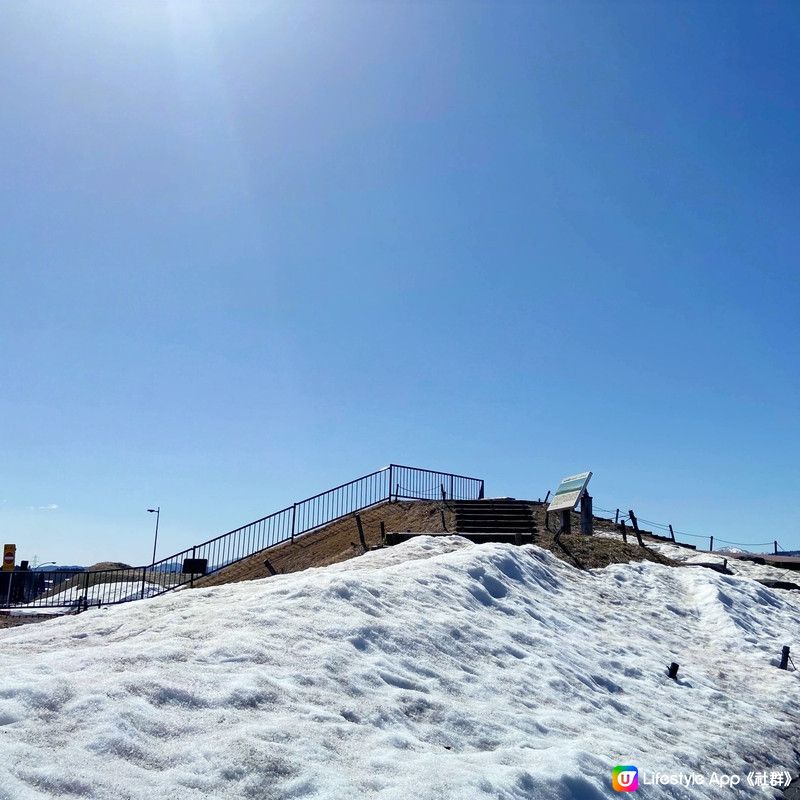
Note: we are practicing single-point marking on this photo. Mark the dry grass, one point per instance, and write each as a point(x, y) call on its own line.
point(338, 541)
point(592, 552)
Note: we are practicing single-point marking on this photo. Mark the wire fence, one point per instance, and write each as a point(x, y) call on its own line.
point(669, 531)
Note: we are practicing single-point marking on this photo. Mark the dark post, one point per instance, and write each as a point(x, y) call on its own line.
point(616, 519)
point(361, 532)
point(294, 517)
point(451, 487)
point(566, 521)
point(635, 524)
point(671, 533)
point(776, 546)
point(480, 494)
point(784, 658)
point(191, 574)
point(624, 532)
point(586, 514)
point(144, 576)
point(547, 497)
point(673, 670)
point(396, 492)
point(444, 493)
point(710, 543)
point(85, 590)
point(391, 467)
point(383, 533)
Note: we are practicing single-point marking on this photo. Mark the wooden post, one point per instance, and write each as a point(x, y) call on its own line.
point(361, 532)
point(547, 497)
point(710, 544)
point(776, 546)
point(586, 514)
point(616, 519)
point(671, 533)
point(624, 532)
point(785, 658)
point(444, 493)
point(635, 524)
point(269, 567)
point(383, 533)
point(566, 521)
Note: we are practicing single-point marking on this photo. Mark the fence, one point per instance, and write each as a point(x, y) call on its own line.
point(34, 589)
point(666, 530)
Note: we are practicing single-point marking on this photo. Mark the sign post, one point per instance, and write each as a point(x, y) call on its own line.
point(9, 558)
point(569, 492)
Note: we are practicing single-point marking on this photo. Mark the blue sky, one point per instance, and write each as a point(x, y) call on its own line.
point(252, 250)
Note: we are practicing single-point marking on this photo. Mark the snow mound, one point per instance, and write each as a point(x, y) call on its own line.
point(434, 669)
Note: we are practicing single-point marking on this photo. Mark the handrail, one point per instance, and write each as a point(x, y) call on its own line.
point(133, 583)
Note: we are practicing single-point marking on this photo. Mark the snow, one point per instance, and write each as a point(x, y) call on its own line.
point(739, 567)
point(434, 669)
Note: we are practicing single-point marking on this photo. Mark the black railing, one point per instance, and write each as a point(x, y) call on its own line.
point(105, 587)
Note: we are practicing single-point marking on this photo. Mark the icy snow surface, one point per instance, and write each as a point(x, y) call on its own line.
point(435, 669)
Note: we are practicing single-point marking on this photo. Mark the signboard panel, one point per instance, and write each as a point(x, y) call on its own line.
point(569, 492)
point(9, 557)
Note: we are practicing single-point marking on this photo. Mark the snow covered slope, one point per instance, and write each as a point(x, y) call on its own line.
point(435, 669)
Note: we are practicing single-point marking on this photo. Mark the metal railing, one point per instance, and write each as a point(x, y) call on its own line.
point(80, 590)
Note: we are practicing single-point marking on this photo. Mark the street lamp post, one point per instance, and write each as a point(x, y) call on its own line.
point(157, 512)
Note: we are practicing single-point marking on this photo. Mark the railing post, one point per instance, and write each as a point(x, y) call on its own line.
point(391, 468)
point(710, 544)
point(451, 487)
point(191, 574)
point(86, 591)
point(776, 546)
point(671, 533)
point(144, 576)
point(294, 518)
point(480, 494)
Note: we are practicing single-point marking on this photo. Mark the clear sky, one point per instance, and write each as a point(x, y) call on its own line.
point(251, 250)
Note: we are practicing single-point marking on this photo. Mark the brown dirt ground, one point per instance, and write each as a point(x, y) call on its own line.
point(12, 622)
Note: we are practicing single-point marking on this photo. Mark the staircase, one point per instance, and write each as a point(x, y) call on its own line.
point(495, 520)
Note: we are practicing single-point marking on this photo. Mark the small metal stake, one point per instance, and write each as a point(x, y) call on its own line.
point(785, 657)
point(672, 672)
